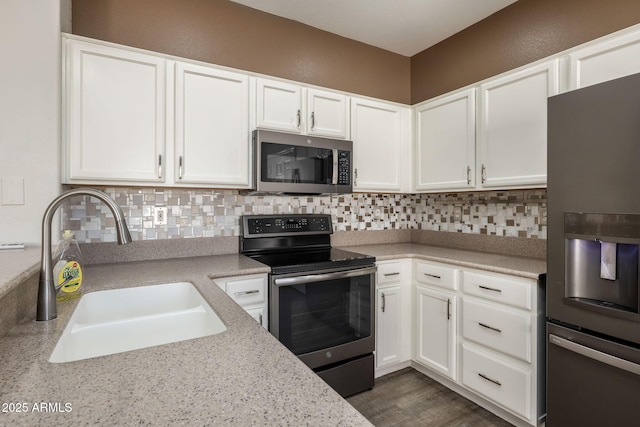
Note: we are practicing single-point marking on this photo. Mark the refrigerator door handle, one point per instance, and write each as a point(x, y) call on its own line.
point(595, 354)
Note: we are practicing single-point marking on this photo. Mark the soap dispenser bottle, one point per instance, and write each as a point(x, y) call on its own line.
point(67, 270)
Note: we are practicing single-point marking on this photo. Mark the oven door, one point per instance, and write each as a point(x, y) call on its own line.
point(324, 317)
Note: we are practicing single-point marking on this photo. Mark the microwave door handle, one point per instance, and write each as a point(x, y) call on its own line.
point(334, 178)
point(298, 280)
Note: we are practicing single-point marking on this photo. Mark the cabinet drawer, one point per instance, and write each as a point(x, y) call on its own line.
point(389, 272)
point(497, 328)
point(436, 274)
point(498, 380)
point(498, 288)
point(247, 291)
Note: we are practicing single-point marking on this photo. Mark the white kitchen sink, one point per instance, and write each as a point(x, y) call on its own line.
point(119, 320)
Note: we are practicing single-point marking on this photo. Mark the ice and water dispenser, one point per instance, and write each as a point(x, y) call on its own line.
point(601, 262)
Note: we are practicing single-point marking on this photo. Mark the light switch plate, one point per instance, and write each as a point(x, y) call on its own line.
point(543, 216)
point(160, 217)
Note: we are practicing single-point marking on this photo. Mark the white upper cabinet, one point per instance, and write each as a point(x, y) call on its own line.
point(135, 118)
point(114, 107)
point(291, 108)
point(212, 136)
point(445, 142)
point(328, 114)
point(606, 60)
point(278, 105)
point(512, 128)
point(382, 146)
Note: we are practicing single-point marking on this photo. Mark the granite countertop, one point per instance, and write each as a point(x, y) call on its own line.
point(531, 268)
point(242, 376)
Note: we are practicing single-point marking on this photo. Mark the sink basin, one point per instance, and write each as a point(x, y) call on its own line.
point(119, 320)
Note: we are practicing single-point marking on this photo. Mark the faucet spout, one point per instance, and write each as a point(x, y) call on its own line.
point(47, 308)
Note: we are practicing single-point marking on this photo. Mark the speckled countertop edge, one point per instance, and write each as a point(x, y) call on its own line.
point(530, 268)
point(242, 376)
point(16, 265)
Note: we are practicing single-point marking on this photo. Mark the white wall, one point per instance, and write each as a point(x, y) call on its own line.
point(29, 115)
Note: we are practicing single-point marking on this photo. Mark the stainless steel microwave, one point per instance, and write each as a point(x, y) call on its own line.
point(302, 164)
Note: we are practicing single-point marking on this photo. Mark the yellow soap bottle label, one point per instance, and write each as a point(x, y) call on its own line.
point(71, 276)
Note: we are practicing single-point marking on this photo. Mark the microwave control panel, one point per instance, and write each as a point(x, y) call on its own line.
point(344, 167)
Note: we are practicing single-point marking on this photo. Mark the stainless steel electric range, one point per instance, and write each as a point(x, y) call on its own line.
point(321, 299)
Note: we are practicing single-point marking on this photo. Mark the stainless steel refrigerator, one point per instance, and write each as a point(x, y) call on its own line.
point(593, 307)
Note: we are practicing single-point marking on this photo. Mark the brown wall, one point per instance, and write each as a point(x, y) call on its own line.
point(521, 33)
point(225, 33)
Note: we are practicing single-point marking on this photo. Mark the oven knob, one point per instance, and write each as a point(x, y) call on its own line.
point(328, 354)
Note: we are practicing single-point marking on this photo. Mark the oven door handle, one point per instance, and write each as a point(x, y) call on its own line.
point(290, 281)
point(595, 354)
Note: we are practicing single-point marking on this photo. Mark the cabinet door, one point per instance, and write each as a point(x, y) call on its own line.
point(607, 60)
point(436, 330)
point(446, 141)
point(279, 106)
point(114, 128)
point(513, 128)
point(381, 146)
point(388, 326)
point(260, 314)
point(212, 127)
point(328, 114)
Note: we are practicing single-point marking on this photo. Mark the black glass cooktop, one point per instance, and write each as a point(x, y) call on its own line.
point(316, 259)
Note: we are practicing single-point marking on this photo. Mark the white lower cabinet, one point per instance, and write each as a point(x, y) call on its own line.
point(436, 330)
point(502, 354)
point(477, 332)
point(249, 292)
point(393, 321)
point(498, 379)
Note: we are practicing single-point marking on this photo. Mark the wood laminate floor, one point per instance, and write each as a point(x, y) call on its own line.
point(409, 398)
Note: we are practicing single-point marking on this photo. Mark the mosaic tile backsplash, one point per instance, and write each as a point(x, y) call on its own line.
point(213, 213)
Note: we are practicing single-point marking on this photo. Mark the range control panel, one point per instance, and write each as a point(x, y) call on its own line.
point(265, 225)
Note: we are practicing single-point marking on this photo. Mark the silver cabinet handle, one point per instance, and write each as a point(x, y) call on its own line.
point(468, 175)
point(299, 119)
point(391, 274)
point(313, 120)
point(486, 288)
point(489, 327)
point(260, 317)
point(180, 168)
point(383, 301)
point(448, 308)
point(298, 280)
point(160, 166)
point(435, 276)
point(595, 354)
point(496, 382)
point(355, 177)
point(242, 293)
point(483, 174)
